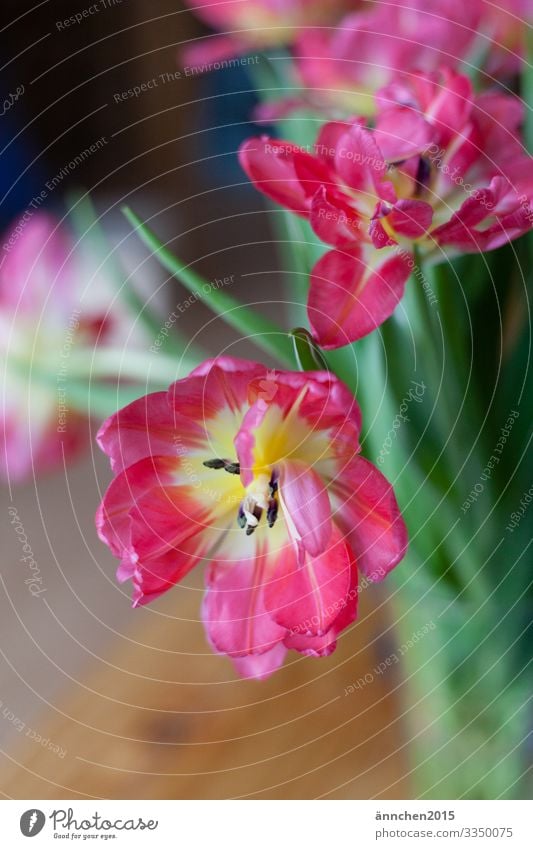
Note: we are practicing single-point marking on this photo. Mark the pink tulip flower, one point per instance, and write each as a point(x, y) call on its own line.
point(257, 473)
point(441, 170)
point(253, 25)
point(341, 67)
point(40, 322)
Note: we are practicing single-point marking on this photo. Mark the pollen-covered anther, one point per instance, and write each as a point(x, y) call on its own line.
point(228, 465)
point(272, 512)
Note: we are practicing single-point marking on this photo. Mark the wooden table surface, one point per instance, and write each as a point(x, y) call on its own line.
point(159, 716)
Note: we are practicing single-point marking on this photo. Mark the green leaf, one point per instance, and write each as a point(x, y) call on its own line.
point(263, 332)
point(308, 354)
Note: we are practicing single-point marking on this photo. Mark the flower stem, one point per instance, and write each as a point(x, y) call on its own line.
point(264, 333)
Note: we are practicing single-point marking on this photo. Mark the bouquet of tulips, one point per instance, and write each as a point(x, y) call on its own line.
point(383, 431)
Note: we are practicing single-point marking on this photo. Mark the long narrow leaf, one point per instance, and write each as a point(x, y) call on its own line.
point(263, 332)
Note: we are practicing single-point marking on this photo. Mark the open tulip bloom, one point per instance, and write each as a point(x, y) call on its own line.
point(41, 323)
point(258, 473)
point(247, 25)
point(342, 67)
point(441, 171)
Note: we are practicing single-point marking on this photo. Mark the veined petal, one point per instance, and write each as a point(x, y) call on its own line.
point(306, 597)
point(269, 163)
point(402, 132)
point(367, 511)
point(261, 666)
point(214, 398)
point(165, 517)
point(323, 645)
point(306, 506)
point(310, 416)
point(234, 612)
point(359, 161)
point(335, 221)
point(353, 292)
point(155, 575)
point(148, 426)
point(113, 521)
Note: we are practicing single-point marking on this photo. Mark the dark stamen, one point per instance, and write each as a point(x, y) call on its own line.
point(227, 465)
point(215, 464)
point(272, 512)
point(241, 518)
point(232, 468)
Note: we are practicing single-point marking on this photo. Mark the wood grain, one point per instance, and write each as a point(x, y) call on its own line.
point(159, 716)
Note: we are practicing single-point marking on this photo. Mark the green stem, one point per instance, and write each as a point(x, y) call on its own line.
point(264, 333)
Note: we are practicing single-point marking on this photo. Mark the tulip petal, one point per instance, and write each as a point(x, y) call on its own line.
point(366, 509)
point(402, 132)
point(325, 644)
point(306, 506)
point(261, 666)
point(359, 161)
point(113, 521)
point(148, 426)
point(349, 297)
point(269, 164)
point(157, 575)
point(306, 597)
point(234, 612)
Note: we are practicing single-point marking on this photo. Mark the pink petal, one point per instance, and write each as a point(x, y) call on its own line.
point(269, 164)
point(409, 218)
point(366, 509)
point(335, 221)
point(166, 516)
point(113, 521)
point(306, 597)
point(234, 612)
point(349, 298)
point(245, 440)
point(500, 212)
point(148, 426)
point(402, 132)
point(306, 506)
point(328, 139)
point(37, 265)
point(214, 386)
point(450, 109)
point(324, 404)
point(325, 644)
point(156, 575)
point(359, 161)
point(261, 666)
